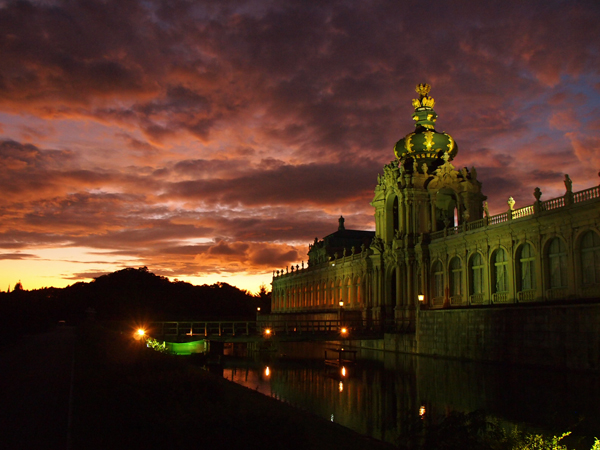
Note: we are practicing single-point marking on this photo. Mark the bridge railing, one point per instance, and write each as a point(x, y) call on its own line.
point(225, 328)
point(302, 326)
point(204, 328)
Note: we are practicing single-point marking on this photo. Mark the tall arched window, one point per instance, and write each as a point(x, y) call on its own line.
point(526, 267)
point(332, 292)
point(396, 213)
point(557, 264)
point(590, 258)
point(437, 283)
point(500, 272)
point(476, 278)
point(456, 280)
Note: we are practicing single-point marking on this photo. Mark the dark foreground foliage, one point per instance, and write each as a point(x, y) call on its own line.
point(128, 396)
point(478, 431)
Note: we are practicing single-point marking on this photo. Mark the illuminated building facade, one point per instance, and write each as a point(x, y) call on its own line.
point(435, 240)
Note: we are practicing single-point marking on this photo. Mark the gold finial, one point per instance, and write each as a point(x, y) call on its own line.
point(423, 89)
point(428, 101)
point(424, 100)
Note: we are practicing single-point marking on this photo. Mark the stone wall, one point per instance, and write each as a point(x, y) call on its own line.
point(564, 336)
point(397, 343)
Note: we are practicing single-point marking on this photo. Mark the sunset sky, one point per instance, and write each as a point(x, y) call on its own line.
point(214, 140)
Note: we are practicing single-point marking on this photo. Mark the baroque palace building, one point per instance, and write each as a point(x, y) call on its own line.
point(435, 246)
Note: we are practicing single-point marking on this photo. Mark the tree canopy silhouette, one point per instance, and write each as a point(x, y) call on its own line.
point(132, 294)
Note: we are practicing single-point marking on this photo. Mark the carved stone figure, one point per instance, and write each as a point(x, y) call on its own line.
point(377, 243)
point(568, 183)
point(511, 203)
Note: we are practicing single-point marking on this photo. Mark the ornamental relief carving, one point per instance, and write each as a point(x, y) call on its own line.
point(389, 259)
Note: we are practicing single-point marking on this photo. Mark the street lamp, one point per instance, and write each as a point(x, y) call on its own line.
point(139, 334)
point(421, 298)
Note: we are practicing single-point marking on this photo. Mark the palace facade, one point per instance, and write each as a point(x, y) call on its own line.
point(435, 246)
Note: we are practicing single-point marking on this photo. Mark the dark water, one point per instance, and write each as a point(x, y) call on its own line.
point(383, 394)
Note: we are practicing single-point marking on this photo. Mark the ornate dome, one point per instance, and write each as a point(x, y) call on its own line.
point(424, 145)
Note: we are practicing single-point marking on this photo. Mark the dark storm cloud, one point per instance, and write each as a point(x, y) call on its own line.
point(249, 125)
point(21, 157)
point(16, 239)
point(330, 75)
point(211, 168)
point(316, 184)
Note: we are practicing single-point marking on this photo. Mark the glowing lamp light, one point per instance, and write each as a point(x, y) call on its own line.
point(341, 386)
point(267, 332)
point(139, 334)
point(343, 371)
point(421, 298)
point(258, 309)
point(341, 304)
point(422, 411)
point(344, 331)
point(267, 371)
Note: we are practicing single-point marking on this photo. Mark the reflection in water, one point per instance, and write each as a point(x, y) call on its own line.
point(383, 395)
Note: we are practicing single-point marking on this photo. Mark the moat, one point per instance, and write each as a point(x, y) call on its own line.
point(383, 394)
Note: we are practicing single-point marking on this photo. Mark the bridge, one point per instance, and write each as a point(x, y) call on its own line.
point(252, 331)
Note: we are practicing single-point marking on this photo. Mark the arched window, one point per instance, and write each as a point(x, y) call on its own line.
point(590, 258)
point(476, 279)
point(500, 272)
point(350, 292)
point(332, 293)
point(557, 264)
point(455, 280)
point(437, 283)
point(526, 267)
point(396, 213)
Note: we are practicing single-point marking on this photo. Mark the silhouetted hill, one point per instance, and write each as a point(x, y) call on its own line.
point(129, 294)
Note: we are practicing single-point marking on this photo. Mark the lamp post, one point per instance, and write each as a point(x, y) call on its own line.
point(421, 298)
point(341, 314)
